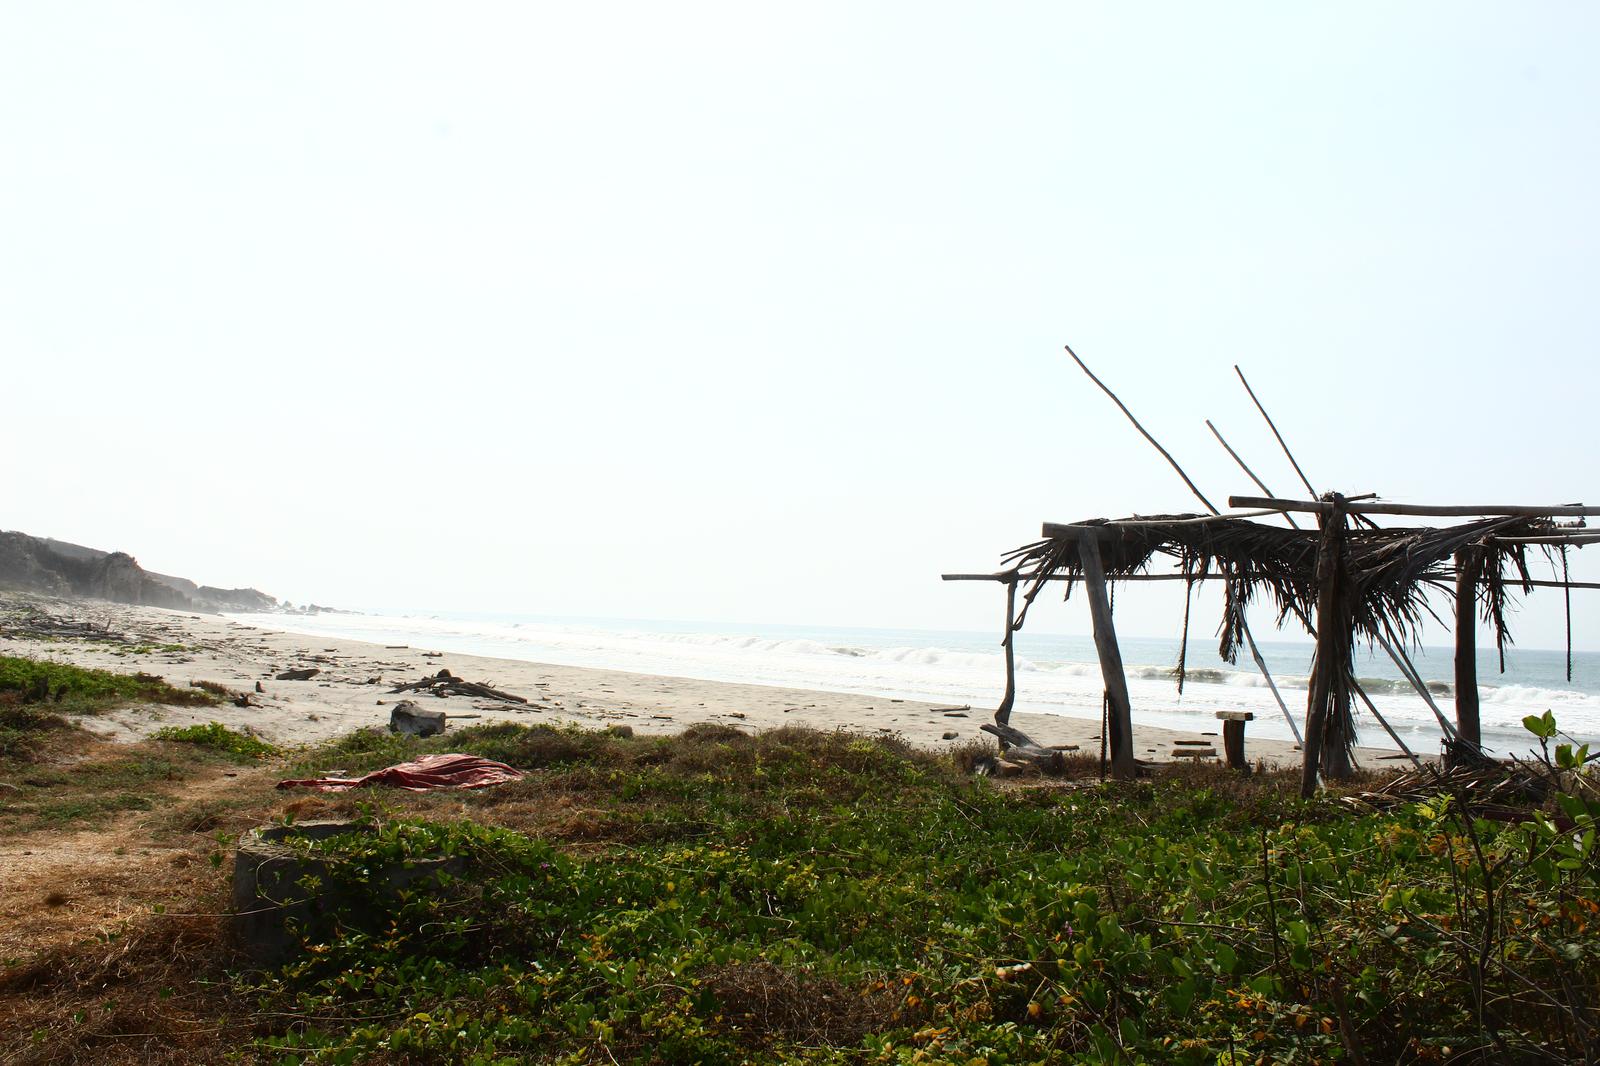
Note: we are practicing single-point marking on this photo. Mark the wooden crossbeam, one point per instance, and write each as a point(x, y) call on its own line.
point(1005, 575)
point(1440, 511)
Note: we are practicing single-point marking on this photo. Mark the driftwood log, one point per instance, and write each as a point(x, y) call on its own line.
point(444, 683)
point(407, 717)
point(1017, 746)
point(46, 625)
point(299, 675)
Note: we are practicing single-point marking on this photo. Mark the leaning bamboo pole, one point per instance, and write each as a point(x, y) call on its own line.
point(1387, 728)
point(1215, 515)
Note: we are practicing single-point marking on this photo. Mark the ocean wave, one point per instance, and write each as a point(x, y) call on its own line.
point(946, 657)
point(1528, 694)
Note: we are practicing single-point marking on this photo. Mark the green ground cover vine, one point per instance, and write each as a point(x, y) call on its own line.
point(801, 897)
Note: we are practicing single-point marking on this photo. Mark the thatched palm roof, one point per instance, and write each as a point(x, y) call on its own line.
point(1390, 570)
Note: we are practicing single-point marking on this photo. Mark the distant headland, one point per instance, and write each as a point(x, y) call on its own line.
point(57, 568)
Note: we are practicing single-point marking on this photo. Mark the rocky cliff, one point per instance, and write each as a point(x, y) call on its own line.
point(54, 567)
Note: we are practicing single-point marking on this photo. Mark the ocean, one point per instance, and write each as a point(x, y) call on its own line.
point(1055, 674)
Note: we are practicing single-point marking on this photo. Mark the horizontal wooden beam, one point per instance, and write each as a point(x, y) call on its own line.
point(1023, 579)
point(1575, 539)
point(1064, 531)
point(1448, 511)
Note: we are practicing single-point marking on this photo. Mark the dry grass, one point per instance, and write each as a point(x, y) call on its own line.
point(154, 991)
point(769, 1004)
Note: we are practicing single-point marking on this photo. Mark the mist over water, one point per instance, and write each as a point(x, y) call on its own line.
point(1055, 674)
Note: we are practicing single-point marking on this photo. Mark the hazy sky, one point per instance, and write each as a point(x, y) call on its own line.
point(755, 313)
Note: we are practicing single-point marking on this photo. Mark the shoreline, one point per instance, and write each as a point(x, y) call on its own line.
point(351, 691)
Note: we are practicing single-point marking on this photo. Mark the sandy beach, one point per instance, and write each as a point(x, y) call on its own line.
point(352, 690)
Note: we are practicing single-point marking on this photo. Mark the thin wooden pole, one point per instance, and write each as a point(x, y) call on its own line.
point(1261, 664)
point(1409, 672)
point(1274, 427)
point(1005, 576)
point(1566, 578)
point(1154, 443)
point(1251, 474)
point(1564, 539)
point(1488, 510)
point(1119, 715)
point(1468, 563)
point(1255, 653)
point(1387, 728)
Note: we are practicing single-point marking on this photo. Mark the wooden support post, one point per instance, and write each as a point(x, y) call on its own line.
point(1233, 738)
point(1119, 718)
point(1468, 563)
point(1002, 715)
point(1332, 655)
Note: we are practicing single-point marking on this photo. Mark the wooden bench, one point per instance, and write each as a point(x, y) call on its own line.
point(1233, 737)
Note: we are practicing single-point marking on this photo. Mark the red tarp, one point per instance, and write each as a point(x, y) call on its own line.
point(428, 772)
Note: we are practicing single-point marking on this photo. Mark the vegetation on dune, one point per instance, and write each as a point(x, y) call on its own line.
point(41, 680)
point(804, 897)
point(811, 897)
point(34, 693)
point(214, 735)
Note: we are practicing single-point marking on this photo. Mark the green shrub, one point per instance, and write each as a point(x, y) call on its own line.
point(40, 680)
point(215, 735)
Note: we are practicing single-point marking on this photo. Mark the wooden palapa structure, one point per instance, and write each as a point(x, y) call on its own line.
point(1345, 580)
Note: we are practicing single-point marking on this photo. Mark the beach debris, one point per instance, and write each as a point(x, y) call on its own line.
point(1017, 747)
point(444, 683)
point(449, 770)
point(298, 675)
point(620, 730)
point(406, 717)
point(950, 735)
point(40, 624)
point(1505, 791)
point(238, 699)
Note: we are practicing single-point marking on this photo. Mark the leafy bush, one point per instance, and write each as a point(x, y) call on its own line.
point(241, 746)
point(23, 727)
point(38, 680)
